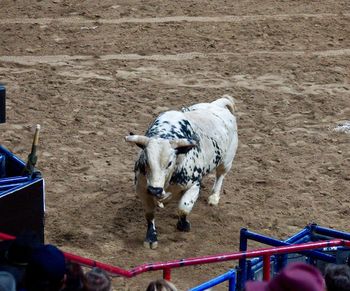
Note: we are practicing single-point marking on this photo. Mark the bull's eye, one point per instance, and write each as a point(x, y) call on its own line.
point(169, 164)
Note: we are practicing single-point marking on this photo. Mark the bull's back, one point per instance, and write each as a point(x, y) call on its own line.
point(213, 121)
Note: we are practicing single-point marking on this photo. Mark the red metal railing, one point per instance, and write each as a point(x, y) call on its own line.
point(266, 253)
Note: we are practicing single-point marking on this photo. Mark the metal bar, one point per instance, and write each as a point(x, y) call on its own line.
point(267, 267)
point(332, 232)
point(167, 274)
point(238, 255)
point(4, 236)
point(230, 275)
point(257, 262)
point(91, 263)
point(249, 270)
point(275, 242)
point(242, 272)
point(9, 186)
point(16, 179)
point(232, 282)
point(199, 260)
point(12, 156)
point(300, 237)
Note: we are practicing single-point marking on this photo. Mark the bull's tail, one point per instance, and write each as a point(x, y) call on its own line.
point(226, 101)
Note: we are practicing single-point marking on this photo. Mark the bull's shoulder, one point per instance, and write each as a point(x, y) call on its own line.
point(190, 171)
point(171, 125)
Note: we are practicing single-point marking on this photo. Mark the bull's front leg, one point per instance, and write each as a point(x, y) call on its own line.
point(185, 206)
point(151, 240)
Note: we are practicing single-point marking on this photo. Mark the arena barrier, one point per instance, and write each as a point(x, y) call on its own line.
point(229, 276)
point(166, 267)
point(22, 189)
point(22, 197)
point(253, 269)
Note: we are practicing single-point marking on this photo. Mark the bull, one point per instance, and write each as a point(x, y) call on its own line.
point(178, 149)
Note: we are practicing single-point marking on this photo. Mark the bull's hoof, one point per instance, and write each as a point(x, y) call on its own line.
point(213, 200)
point(150, 245)
point(183, 225)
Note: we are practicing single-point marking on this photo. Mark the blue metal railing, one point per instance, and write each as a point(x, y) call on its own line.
point(249, 269)
point(229, 276)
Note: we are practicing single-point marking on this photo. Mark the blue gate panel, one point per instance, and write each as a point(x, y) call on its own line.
point(22, 198)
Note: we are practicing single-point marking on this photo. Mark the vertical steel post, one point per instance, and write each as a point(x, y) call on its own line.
point(267, 267)
point(167, 274)
point(232, 282)
point(242, 272)
point(250, 273)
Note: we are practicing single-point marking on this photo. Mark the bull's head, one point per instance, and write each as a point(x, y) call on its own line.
point(161, 156)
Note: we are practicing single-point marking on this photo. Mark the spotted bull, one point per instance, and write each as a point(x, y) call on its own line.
point(178, 150)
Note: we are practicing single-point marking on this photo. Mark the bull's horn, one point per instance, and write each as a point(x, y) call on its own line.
point(140, 140)
point(177, 143)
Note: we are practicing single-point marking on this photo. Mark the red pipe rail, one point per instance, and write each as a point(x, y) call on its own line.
point(266, 253)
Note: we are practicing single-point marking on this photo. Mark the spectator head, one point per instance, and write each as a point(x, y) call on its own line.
point(295, 276)
point(161, 285)
point(74, 277)
point(337, 277)
point(97, 280)
point(7, 282)
point(46, 269)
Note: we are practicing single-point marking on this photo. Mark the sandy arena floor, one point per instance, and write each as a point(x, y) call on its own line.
point(91, 71)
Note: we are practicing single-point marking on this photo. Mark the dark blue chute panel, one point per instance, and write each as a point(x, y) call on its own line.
point(22, 198)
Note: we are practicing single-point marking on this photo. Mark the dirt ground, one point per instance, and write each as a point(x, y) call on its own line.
point(91, 71)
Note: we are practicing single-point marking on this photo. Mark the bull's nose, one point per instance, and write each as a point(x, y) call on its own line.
point(155, 191)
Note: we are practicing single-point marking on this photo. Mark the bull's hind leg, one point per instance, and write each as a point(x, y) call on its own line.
point(221, 172)
point(185, 206)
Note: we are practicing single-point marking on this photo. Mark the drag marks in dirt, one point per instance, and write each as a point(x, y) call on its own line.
point(64, 59)
point(274, 83)
point(224, 18)
point(78, 69)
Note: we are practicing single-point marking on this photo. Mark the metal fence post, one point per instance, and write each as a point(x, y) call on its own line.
point(167, 274)
point(242, 272)
point(267, 267)
point(232, 283)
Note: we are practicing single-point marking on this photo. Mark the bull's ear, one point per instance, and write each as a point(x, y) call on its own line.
point(183, 146)
point(140, 140)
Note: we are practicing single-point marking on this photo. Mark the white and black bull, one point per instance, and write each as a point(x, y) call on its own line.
point(178, 150)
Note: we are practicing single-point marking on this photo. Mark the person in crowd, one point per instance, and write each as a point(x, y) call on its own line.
point(294, 277)
point(97, 280)
point(46, 269)
point(161, 285)
point(337, 277)
point(74, 277)
point(7, 282)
